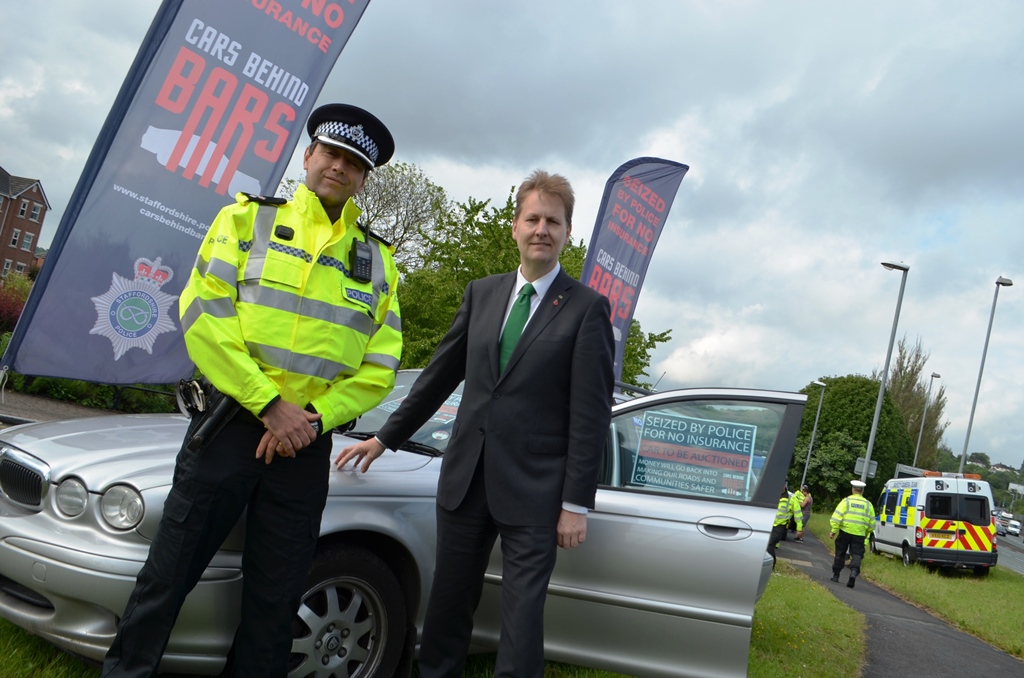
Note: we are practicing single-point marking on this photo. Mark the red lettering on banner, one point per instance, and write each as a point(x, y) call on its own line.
point(332, 14)
point(644, 193)
point(214, 97)
point(280, 111)
point(216, 101)
point(620, 296)
point(244, 119)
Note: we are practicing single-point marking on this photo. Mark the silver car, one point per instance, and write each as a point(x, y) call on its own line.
point(665, 584)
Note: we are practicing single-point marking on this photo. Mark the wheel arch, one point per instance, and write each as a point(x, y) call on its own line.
point(392, 552)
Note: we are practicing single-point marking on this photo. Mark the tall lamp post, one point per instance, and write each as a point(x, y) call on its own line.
point(885, 370)
point(1000, 282)
point(821, 399)
point(935, 375)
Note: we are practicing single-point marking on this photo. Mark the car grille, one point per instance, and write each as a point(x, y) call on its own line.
point(20, 483)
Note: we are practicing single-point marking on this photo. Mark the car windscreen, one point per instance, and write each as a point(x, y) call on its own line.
point(433, 434)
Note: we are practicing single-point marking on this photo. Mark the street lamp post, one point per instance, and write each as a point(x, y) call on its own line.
point(821, 399)
point(1000, 282)
point(885, 370)
point(935, 375)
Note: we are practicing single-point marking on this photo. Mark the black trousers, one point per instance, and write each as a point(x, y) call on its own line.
point(284, 502)
point(855, 545)
point(465, 538)
point(778, 534)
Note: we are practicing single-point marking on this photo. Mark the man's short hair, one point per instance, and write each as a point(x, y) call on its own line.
point(552, 184)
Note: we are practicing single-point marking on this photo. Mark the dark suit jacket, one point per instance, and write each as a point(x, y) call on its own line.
point(541, 426)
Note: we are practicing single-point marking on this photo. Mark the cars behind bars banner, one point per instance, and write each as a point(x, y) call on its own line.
point(214, 104)
point(636, 202)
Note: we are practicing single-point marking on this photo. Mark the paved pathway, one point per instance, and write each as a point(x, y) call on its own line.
point(902, 640)
point(18, 408)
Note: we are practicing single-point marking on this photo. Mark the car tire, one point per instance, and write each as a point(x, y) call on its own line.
point(874, 547)
point(981, 570)
point(908, 556)
point(351, 622)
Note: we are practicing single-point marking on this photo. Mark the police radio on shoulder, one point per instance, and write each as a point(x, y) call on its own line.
point(361, 261)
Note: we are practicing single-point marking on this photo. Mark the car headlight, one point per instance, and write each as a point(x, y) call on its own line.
point(72, 497)
point(122, 507)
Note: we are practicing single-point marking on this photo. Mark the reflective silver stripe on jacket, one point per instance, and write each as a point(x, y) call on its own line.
point(262, 229)
point(218, 308)
point(289, 302)
point(298, 363)
point(382, 359)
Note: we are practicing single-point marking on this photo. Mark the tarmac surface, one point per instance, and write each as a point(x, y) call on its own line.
point(902, 640)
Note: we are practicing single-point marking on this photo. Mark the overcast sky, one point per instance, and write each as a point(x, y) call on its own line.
point(822, 137)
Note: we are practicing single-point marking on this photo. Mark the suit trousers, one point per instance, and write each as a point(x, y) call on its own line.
point(465, 538)
point(283, 501)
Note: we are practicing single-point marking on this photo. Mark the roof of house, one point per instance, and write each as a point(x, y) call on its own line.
point(12, 186)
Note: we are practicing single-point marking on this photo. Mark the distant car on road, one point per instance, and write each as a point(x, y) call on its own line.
point(665, 585)
point(1013, 528)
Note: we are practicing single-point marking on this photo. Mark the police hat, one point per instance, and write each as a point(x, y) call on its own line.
point(353, 129)
point(858, 483)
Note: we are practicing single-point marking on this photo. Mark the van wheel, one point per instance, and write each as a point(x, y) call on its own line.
point(352, 618)
point(874, 547)
point(981, 570)
point(908, 556)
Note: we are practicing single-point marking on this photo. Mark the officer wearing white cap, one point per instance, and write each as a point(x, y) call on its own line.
point(853, 520)
point(291, 314)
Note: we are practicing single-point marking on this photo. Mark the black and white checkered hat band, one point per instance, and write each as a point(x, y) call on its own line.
point(352, 136)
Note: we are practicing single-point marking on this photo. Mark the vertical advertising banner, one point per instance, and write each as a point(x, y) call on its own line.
point(214, 104)
point(636, 202)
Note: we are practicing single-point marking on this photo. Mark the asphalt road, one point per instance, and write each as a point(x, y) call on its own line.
point(1011, 553)
point(903, 640)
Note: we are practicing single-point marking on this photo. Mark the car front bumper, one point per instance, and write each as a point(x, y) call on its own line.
point(72, 595)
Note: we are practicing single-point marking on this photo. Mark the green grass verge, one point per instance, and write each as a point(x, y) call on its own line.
point(23, 655)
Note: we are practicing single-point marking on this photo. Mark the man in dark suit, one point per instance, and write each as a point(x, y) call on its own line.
point(526, 447)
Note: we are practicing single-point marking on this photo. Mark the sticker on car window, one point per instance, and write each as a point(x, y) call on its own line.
point(696, 456)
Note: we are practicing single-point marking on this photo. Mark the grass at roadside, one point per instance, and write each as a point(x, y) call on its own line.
point(802, 631)
point(988, 608)
point(26, 656)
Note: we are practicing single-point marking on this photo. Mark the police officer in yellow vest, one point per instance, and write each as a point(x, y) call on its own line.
point(788, 509)
point(853, 520)
point(291, 312)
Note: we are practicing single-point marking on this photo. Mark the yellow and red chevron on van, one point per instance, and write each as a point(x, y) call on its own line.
point(952, 534)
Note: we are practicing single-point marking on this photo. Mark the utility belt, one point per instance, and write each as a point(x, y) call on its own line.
point(209, 409)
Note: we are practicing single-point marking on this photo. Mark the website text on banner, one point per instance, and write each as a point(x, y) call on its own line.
point(636, 202)
point(213, 104)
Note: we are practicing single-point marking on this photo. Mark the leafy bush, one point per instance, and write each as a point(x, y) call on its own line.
point(13, 293)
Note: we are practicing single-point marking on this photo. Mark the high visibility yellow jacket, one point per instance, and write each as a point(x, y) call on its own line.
point(854, 515)
point(271, 309)
point(789, 508)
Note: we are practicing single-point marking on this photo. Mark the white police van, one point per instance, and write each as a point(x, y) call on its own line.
point(939, 519)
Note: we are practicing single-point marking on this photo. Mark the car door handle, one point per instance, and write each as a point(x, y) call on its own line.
point(725, 528)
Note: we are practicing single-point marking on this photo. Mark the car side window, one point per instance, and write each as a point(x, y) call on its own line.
point(706, 448)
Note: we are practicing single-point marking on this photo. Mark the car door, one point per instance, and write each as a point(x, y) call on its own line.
point(666, 582)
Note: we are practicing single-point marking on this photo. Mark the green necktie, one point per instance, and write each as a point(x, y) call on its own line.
point(517, 318)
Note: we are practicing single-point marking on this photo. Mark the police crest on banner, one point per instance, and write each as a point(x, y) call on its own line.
point(133, 313)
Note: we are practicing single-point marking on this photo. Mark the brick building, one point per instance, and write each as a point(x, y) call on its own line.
point(23, 206)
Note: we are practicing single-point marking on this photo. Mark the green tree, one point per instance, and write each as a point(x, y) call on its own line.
point(908, 386)
point(400, 204)
point(474, 240)
point(849, 408)
point(979, 458)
